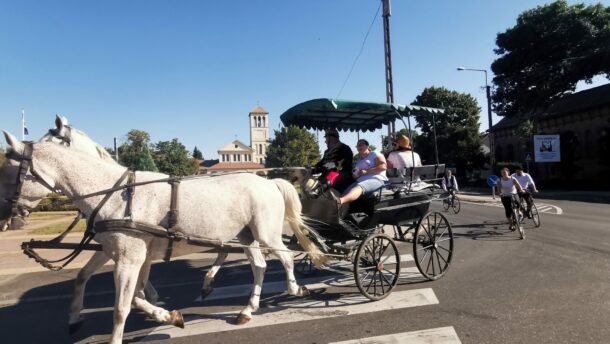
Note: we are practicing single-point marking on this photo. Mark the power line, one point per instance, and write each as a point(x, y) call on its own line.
point(360, 52)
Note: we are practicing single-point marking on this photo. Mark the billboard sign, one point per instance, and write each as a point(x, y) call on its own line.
point(546, 148)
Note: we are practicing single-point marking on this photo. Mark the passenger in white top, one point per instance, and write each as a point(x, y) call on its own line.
point(526, 182)
point(403, 156)
point(507, 188)
point(369, 174)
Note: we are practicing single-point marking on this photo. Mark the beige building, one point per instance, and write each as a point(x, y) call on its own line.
point(259, 133)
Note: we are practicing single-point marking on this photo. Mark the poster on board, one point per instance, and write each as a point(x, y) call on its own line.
point(546, 148)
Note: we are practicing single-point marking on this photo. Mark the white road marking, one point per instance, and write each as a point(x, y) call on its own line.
point(441, 335)
point(321, 282)
point(542, 207)
point(296, 311)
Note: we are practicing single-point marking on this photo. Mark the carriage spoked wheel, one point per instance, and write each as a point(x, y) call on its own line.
point(377, 266)
point(433, 245)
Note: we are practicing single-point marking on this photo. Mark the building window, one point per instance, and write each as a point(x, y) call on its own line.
point(259, 121)
point(264, 122)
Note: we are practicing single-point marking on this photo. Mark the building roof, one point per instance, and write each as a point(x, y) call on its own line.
point(236, 146)
point(593, 97)
point(236, 166)
point(259, 110)
point(208, 163)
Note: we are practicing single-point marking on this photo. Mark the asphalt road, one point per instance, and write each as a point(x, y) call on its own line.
point(551, 287)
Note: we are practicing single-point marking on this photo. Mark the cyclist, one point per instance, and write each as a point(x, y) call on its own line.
point(508, 187)
point(449, 184)
point(526, 182)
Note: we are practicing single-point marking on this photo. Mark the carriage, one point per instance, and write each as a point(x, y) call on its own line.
point(362, 236)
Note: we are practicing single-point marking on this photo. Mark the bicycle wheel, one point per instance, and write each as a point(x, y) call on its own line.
point(516, 224)
point(446, 204)
point(535, 215)
point(456, 205)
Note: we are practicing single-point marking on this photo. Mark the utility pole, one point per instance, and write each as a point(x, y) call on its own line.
point(389, 86)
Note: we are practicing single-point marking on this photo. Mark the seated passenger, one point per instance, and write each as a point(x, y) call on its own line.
point(403, 156)
point(370, 173)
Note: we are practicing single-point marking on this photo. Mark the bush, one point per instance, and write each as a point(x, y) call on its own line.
point(55, 202)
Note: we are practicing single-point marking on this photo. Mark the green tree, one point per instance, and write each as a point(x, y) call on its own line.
point(197, 154)
point(172, 157)
point(550, 49)
point(135, 153)
point(292, 146)
point(457, 129)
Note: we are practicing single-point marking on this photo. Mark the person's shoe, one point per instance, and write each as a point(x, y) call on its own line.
point(342, 209)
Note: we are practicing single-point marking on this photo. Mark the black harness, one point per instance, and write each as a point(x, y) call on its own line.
point(171, 231)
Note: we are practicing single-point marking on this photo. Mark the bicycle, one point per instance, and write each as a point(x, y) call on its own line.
point(516, 218)
point(452, 201)
point(533, 214)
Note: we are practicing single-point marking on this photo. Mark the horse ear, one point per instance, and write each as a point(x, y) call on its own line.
point(12, 141)
point(60, 122)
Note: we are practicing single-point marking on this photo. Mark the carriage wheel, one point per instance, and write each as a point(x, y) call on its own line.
point(377, 266)
point(456, 205)
point(535, 215)
point(433, 245)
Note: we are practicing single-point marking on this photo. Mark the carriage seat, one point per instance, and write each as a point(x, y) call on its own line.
point(414, 177)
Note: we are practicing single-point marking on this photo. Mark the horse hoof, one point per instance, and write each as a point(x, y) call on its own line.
point(242, 319)
point(304, 291)
point(74, 327)
point(206, 292)
point(177, 319)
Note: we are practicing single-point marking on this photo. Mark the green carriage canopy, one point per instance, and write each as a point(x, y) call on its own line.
point(348, 115)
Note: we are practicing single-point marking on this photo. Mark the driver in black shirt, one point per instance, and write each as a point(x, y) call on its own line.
point(335, 166)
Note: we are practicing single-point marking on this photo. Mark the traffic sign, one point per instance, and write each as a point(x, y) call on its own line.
point(492, 180)
point(528, 157)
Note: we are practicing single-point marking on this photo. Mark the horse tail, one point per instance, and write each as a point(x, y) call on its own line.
point(294, 218)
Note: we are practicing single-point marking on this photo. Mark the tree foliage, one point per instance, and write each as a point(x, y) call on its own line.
point(135, 153)
point(548, 51)
point(172, 157)
point(457, 129)
point(197, 154)
point(292, 146)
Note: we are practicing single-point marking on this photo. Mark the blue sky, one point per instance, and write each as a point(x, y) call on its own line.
point(193, 70)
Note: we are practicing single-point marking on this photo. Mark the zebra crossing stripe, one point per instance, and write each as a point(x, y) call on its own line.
point(337, 279)
point(296, 310)
point(441, 335)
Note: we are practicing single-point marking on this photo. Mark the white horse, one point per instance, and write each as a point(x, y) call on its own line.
point(240, 205)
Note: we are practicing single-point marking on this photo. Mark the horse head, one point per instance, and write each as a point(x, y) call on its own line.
point(19, 189)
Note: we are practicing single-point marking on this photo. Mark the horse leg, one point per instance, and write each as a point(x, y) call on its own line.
point(75, 320)
point(129, 256)
point(209, 276)
point(258, 263)
point(157, 313)
point(286, 258)
point(150, 293)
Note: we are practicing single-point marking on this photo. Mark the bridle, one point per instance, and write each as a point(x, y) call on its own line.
point(25, 166)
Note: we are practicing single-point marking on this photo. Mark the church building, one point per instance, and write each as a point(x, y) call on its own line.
point(238, 156)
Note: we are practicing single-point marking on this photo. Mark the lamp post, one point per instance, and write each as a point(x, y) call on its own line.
point(488, 91)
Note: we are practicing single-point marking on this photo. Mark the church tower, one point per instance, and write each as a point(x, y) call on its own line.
point(259, 133)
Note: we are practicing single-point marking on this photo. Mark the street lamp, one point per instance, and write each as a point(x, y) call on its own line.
point(488, 91)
